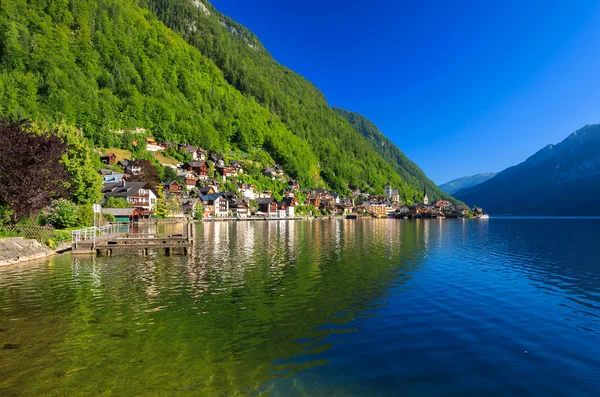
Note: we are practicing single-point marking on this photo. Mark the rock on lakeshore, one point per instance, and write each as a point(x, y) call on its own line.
point(17, 249)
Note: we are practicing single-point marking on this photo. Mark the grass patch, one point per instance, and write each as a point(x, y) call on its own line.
point(121, 154)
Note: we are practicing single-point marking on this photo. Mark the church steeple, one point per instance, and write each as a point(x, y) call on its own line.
point(425, 197)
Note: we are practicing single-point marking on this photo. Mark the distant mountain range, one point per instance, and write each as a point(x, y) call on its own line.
point(562, 179)
point(465, 182)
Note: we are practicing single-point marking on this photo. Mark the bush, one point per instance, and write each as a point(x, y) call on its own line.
point(64, 214)
point(85, 216)
point(6, 214)
point(117, 202)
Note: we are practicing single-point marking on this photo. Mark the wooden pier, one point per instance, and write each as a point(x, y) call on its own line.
point(141, 242)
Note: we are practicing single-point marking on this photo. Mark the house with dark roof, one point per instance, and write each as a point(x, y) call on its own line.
point(189, 205)
point(268, 206)
point(173, 187)
point(191, 150)
point(199, 167)
point(108, 158)
point(205, 190)
point(239, 206)
point(188, 178)
point(123, 215)
point(285, 207)
point(142, 195)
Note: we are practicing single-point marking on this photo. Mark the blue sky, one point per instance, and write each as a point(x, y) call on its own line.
point(461, 87)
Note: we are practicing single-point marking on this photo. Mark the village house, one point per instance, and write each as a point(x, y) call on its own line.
point(293, 185)
point(239, 170)
point(188, 179)
point(122, 215)
point(189, 205)
point(215, 205)
point(130, 167)
point(226, 171)
point(206, 190)
point(113, 178)
point(217, 159)
point(268, 206)
point(191, 150)
point(275, 172)
point(142, 195)
point(443, 204)
point(240, 207)
point(199, 167)
point(246, 190)
point(285, 208)
point(168, 145)
point(173, 187)
point(152, 146)
point(108, 158)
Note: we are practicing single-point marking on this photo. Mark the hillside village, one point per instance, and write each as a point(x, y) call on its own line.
point(212, 186)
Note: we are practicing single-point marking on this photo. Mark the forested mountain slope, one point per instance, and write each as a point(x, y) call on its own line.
point(343, 154)
point(562, 179)
point(110, 64)
point(408, 170)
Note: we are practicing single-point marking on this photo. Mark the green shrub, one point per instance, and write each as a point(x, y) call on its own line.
point(63, 214)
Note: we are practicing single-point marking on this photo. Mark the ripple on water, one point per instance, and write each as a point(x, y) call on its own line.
point(363, 308)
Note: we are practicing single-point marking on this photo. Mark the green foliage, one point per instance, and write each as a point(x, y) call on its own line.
point(108, 218)
point(160, 210)
point(117, 202)
point(58, 237)
point(229, 187)
point(344, 155)
point(63, 214)
point(86, 183)
point(110, 65)
point(199, 211)
point(408, 170)
point(169, 174)
point(6, 214)
point(85, 215)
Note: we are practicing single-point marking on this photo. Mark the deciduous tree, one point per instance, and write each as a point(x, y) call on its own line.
point(31, 172)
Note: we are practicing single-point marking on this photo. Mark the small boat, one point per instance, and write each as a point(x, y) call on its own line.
point(484, 216)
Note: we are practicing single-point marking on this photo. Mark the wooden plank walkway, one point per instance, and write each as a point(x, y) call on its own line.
point(107, 244)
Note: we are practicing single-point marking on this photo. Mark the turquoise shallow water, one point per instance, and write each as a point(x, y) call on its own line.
point(502, 307)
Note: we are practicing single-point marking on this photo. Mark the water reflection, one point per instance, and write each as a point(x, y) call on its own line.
point(293, 308)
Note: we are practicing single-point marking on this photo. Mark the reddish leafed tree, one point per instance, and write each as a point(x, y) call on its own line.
point(31, 174)
point(148, 173)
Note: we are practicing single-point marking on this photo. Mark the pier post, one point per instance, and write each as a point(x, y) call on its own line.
point(168, 251)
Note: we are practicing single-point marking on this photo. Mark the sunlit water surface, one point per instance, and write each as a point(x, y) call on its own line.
point(504, 307)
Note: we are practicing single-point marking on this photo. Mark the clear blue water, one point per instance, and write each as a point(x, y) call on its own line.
point(503, 307)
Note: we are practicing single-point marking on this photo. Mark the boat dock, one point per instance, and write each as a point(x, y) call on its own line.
point(118, 238)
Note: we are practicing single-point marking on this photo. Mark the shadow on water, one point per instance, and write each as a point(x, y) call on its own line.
point(253, 302)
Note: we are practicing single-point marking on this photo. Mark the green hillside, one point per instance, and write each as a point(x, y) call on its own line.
point(408, 170)
point(109, 65)
point(345, 157)
point(112, 65)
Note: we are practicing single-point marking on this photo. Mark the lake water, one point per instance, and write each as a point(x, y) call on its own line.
point(504, 307)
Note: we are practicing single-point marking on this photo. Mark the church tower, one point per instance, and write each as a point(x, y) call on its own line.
point(388, 190)
point(425, 197)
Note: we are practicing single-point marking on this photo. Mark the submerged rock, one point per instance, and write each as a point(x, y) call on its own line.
point(10, 346)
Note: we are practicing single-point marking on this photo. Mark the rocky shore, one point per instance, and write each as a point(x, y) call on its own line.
point(17, 249)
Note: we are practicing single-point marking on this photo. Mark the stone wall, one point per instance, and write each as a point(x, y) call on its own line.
point(17, 249)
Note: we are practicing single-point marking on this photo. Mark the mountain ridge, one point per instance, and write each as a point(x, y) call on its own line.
point(464, 182)
point(561, 179)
